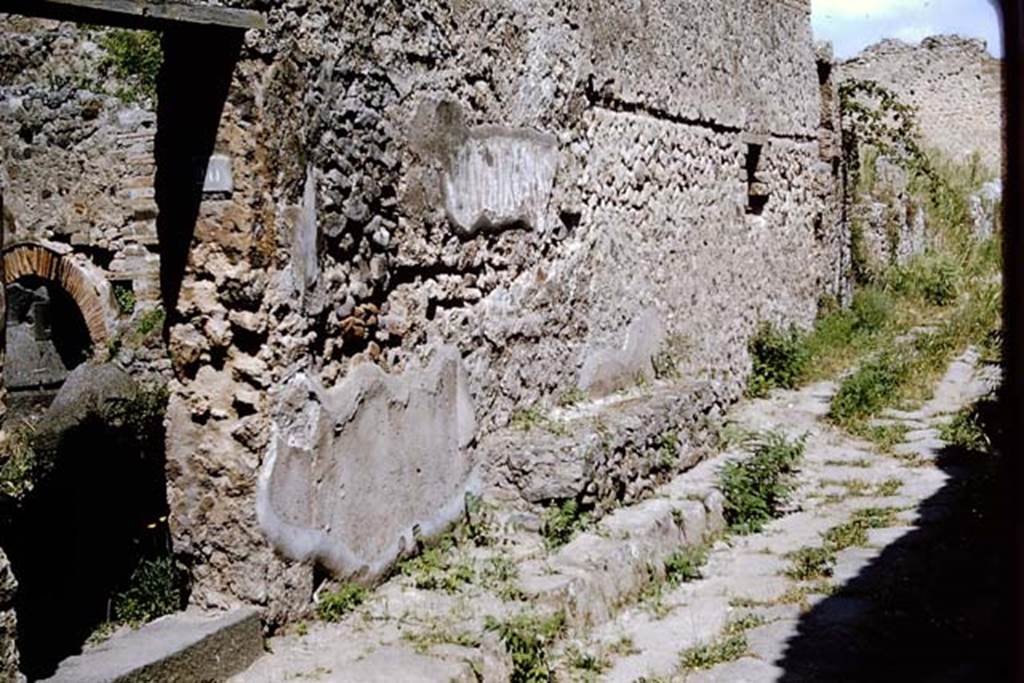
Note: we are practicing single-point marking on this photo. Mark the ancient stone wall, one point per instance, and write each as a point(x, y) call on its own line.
point(442, 213)
point(78, 163)
point(956, 85)
point(77, 175)
point(543, 197)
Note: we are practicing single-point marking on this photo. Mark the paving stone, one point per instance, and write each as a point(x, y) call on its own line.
point(744, 670)
point(773, 612)
point(899, 422)
point(596, 576)
point(769, 642)
point(927, 434)
point(392, 663)
point(884, 537)
point(926, 448)
point(661, 641)
point(905, 415)
point(851, 562)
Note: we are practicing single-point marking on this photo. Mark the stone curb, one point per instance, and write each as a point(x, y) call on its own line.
point(189, 646)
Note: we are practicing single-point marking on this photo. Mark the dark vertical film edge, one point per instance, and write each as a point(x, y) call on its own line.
point(1012, 16)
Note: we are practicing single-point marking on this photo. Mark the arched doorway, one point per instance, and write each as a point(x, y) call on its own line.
point(58, 313)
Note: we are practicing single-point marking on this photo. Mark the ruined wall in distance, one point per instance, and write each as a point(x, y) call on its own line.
point(956, 85)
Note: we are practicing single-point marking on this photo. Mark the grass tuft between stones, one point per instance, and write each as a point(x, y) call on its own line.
point(757, 488)
point(729, 646)
point(527, 638)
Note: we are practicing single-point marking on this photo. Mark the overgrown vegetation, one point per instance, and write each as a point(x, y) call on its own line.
point(499, 575)
point(682, 566)
point(758, 487)
point(815, 563)
point(442, 565)
point(531, 418)
point(779, 358)
point(144, 332)
point(906, 370)
point(440, 632)
point(134, 57)
point(527, 638)
point(952, 283)
point(668, 449)
point(333, 606)
point(953, 287)
point(587, 663)
point(571, 398)
point(156, 588)
point(562, 522)
point(19, 469)
point(436, 569)
point(971, 427)
point(29, 453)
point(810, 563)
point(685, 565)
point(788, 359)
point(885, 437)
point(124, 296)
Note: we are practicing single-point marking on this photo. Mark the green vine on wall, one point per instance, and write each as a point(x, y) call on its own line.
point(875, 123)
point(874, 116)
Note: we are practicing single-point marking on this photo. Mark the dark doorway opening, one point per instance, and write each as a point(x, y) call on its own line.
point(47, 338)
point(95, 516)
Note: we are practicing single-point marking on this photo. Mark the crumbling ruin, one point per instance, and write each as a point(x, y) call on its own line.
point(955, 85)
point(373, 258)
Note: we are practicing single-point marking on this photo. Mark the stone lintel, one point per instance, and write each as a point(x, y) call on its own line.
point(148, 14)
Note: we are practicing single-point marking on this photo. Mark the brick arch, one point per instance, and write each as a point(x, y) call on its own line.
point(89, 291)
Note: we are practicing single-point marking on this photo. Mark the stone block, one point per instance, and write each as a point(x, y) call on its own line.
point(611, 369)
point(190, 646)
point(393, 663)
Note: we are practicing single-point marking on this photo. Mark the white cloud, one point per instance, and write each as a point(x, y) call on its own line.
point(852, 25)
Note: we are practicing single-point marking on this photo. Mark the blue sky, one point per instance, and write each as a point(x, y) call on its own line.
point(852, 25)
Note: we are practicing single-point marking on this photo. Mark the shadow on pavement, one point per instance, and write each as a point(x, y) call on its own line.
point(931, 606)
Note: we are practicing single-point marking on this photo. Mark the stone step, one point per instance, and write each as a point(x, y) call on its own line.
point(607, 453)
point(188, 646)
point(595, 574)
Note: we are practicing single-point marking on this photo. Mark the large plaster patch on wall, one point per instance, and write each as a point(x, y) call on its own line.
point(355, 473)
point(500, 177)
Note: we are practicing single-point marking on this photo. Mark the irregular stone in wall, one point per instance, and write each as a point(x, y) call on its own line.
point(500, 177)
point(8, 623)
point(355, 473)
point(985, 206)
point(609, 370)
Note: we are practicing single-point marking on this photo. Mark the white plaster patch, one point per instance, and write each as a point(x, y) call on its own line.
point(355, 473)
point(499, 177)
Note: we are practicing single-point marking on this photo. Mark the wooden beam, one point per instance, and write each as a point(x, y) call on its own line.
point(148, 14)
